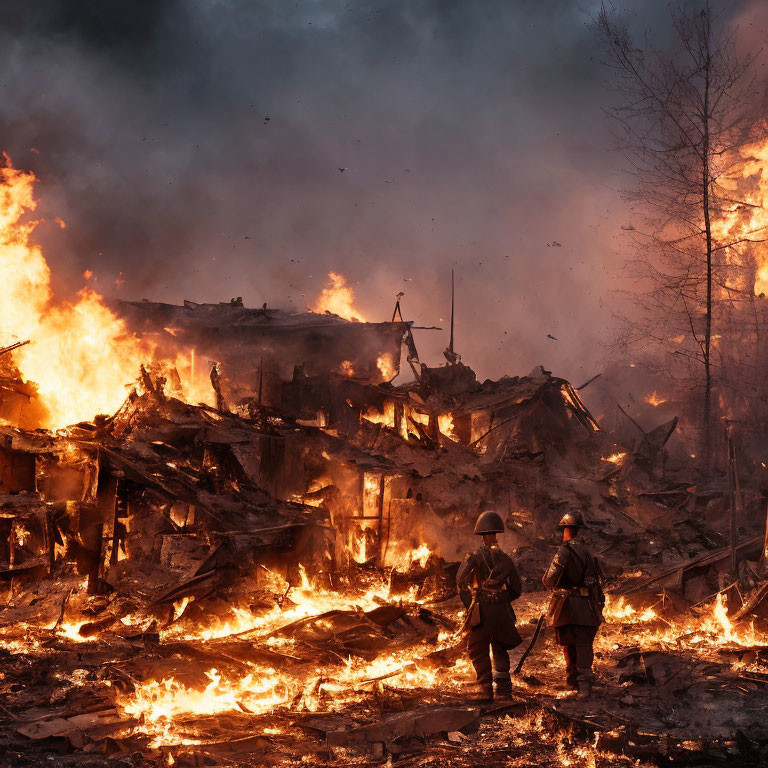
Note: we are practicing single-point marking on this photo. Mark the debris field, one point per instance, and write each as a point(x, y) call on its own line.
point(268, 578)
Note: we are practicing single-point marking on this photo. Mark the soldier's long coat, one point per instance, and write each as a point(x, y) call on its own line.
point(498, 582)
point(572, 568)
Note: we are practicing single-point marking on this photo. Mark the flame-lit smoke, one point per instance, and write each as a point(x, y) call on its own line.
point(338, 299)
point(81, 356)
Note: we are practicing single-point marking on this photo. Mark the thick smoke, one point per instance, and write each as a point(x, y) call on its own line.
point(246, 147)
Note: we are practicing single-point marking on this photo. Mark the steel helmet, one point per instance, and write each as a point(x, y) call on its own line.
point(489, 522)
point(571, 519)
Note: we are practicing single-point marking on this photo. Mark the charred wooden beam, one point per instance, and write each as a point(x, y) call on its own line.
point(11, 347)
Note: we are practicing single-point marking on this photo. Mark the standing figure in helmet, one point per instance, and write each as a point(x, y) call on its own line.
point(576, 604)
point(488, 582)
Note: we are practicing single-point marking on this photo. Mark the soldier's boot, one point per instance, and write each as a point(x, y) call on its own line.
point(503, 688)
point(480, 693)
point(571, 670)
point(585, 680)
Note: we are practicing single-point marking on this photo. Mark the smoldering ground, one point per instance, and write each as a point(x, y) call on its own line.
point(209, 150)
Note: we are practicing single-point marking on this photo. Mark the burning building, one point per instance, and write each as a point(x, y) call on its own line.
point(261, 347)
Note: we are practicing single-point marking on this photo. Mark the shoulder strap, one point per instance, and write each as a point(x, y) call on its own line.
point(484, 556)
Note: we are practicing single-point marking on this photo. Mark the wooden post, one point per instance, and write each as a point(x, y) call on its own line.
point(736, 483)
point(115, 517)
point(450, 343)
point(357, 521)
point(433, 429)
point(12, 555)
point(381, 519)
point(399, 417)
point(389, 528)
point(50, 539)
point(95, 570)
point(12, 545)
point(764, 555)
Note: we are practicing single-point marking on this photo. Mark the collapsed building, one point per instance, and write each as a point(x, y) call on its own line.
point(387, 466)
point(290, 549)
point(259, 348)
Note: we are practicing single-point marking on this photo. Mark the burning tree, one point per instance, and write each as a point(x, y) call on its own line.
point(683, 122)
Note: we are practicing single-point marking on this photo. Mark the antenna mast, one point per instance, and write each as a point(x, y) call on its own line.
point(448, 352)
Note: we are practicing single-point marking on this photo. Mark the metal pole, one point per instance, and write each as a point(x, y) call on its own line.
point(450, 345)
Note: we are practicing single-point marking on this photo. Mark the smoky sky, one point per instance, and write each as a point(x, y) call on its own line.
point(207, 149)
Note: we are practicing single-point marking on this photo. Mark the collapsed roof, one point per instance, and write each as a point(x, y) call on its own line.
point(245, 340)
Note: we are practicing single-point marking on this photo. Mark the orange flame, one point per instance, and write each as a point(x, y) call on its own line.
point(386, 367)
point(445, 425)
point(746, 221)
point(655, 399)
point(338, 299)
point(81, 356)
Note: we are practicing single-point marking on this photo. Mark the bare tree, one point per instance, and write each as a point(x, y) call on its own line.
point(681, 119)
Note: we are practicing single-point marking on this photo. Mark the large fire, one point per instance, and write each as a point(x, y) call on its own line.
point(160, 705)
point(746, 220)
point(81, 357)
point(338, 298)
point(713, 628)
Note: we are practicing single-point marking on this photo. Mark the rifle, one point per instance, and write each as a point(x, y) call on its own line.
point(471, 608)
point(526, 653)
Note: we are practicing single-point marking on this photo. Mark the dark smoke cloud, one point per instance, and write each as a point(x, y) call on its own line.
point(194, 147)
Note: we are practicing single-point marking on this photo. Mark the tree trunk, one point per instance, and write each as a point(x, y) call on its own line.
point(707, 416)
